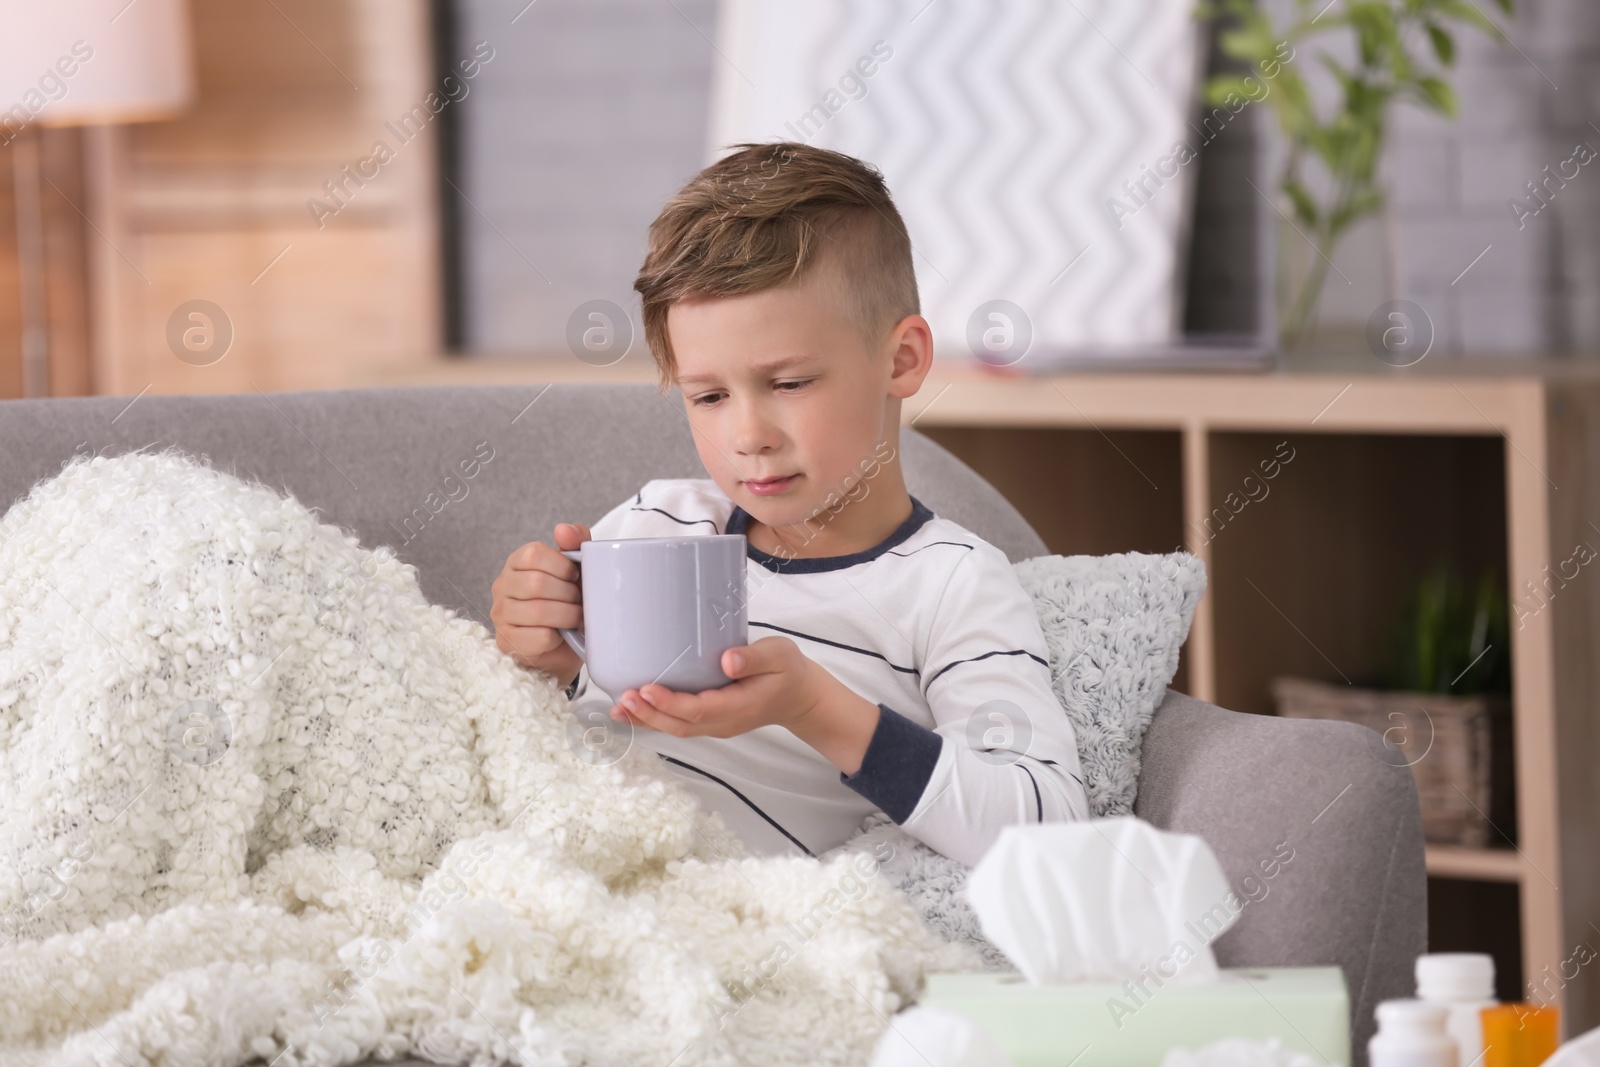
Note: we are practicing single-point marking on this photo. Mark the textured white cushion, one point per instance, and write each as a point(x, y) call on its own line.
point(1113, 626)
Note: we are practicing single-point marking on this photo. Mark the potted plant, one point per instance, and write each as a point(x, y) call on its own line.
point(1441, 700)
point(1329, 179)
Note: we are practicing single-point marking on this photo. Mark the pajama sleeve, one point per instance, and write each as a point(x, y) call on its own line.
point(1000, 749)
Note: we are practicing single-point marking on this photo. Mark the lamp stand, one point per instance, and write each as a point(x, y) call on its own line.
point(31, 263)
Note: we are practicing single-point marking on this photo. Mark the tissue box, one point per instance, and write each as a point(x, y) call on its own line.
point(1091, 1024)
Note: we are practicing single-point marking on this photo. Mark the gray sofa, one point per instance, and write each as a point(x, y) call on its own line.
point(376, 462)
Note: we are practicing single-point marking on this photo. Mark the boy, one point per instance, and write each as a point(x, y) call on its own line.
point(897, 665)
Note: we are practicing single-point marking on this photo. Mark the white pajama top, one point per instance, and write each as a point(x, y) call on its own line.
point(932, 626)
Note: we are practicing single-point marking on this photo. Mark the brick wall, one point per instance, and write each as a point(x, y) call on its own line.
point(1536, 290)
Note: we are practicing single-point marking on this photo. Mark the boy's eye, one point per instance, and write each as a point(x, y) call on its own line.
point(706, 400)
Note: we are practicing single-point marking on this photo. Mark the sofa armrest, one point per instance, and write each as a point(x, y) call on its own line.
point(1253, 786)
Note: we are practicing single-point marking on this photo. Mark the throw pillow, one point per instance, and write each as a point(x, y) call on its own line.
point(1113, 627)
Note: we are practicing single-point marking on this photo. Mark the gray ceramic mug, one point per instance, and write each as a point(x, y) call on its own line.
point(660, 609)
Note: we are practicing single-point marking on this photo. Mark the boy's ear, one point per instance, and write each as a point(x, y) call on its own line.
point(911, 342)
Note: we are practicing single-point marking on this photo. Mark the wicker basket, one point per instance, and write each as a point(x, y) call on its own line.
point(1458, 749)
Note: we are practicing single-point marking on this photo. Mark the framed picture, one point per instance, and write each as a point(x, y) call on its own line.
point(1043, 155)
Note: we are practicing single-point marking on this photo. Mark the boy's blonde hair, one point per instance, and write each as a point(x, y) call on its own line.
point(763, 217)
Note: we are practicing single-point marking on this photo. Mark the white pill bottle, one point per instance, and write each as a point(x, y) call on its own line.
point(1463, 984)
point(1411, 1034)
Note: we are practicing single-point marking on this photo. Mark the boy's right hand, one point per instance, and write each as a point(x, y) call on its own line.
point(536, 595)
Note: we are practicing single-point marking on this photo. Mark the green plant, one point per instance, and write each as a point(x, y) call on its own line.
point(1347, 143)
point(1449, 639)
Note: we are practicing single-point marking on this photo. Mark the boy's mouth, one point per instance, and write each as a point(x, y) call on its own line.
point(770, 486)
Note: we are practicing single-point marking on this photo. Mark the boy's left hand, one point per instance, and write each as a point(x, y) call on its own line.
point(773, 683)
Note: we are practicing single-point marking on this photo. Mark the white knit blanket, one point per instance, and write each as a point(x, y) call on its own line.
point(260, 800)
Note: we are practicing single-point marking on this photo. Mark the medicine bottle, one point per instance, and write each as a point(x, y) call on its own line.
point(1411, 1034)
point(1519, 1035)
point(1463, 983)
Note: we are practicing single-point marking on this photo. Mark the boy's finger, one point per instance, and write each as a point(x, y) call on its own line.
point(658, 696)
point(538, 556)
point(766, 656)
point(647, 715)
point(695, 709)
point(539, 635)
point(686, 707)
point(526, 557)
point(569, 535)
point(631, 696)
point(526, 641)
point(540, 585)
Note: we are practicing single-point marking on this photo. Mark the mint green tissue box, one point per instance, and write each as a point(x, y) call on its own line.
point(1093, 1024)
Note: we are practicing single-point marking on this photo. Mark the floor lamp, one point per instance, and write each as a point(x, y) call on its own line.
point(78, 63)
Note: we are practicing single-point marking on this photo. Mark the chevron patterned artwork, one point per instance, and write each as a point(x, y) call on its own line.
point(1040, 151)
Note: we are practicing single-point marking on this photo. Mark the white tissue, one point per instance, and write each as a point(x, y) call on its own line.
point(1102, 901)
point(1238, 1052)
point(924, 1036)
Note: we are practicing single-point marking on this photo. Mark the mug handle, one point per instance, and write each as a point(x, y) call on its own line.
point(574, 638)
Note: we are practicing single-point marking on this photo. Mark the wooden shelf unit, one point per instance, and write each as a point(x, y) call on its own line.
point(1476, 864)
point(1505, 471)
point(1479, 455)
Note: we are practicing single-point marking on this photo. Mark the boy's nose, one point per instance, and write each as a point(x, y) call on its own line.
point(754, 433)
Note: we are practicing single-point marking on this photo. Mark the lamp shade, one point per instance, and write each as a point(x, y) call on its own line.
point(72, 62)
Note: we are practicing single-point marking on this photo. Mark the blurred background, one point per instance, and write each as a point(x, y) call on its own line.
point(363, 187)
point(1354, 243)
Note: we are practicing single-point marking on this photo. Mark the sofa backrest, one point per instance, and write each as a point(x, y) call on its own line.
point(453, 478)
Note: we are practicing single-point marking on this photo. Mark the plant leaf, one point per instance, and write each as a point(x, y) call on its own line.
point(1249, 40)
point(1469, 12)
point(1371, 35)
point(1219, 88)
point(1438, 94)
point(1444, 46)
point(1305, 207)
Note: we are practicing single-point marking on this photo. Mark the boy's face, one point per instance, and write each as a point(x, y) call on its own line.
point(787, 403)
